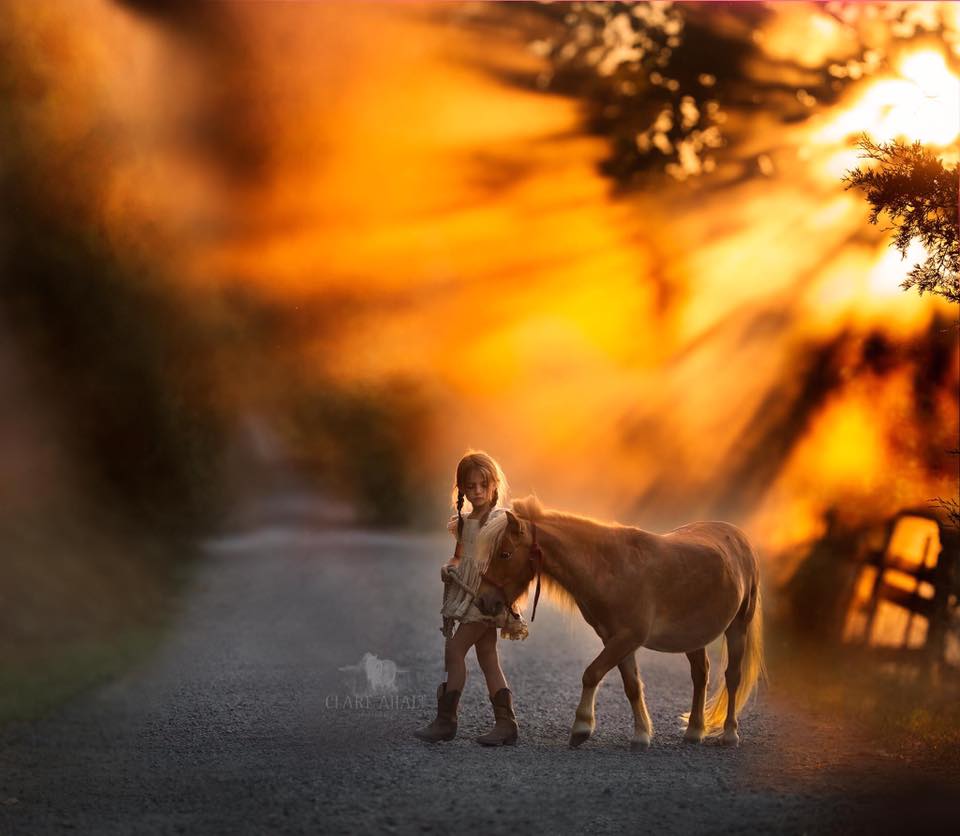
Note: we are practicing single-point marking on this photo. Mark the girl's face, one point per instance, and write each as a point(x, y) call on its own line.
point(478, 489)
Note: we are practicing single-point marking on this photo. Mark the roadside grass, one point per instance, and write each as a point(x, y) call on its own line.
point(901, 706)
point(31, 689)
point(82, 605)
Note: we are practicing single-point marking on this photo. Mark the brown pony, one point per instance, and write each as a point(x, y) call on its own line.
point(673, 592)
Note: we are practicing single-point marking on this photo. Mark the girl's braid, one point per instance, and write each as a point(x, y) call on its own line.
point(459, 515)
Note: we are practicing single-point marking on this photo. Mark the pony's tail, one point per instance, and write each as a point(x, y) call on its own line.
point(752, 669)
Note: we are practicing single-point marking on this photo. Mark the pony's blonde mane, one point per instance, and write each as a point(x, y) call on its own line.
point(528, 507)
point(531, 508)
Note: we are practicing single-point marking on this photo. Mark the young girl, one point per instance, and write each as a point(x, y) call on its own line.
point(481, 482)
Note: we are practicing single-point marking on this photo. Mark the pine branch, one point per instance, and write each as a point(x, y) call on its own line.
point(913, 187)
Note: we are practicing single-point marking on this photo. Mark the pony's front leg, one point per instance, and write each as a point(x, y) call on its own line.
point(633, 687)
point(611, 655)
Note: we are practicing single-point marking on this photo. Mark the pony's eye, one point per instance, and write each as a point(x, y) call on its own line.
point(504, 555)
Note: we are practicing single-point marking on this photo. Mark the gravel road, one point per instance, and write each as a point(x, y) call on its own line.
point(248, 720)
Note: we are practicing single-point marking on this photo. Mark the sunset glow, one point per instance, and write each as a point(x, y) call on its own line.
point(615, 352)
point(639, 318)
point(922, 102)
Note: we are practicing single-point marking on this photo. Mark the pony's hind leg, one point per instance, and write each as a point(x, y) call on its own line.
point(633, 688)
point(743, 649)
point(699, 672)
point(612, 653)
point(736, 636)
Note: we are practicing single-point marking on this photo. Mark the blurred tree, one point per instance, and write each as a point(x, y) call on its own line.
point(365, 443)
point(667, 83)
point(646, 73)
point(123, 358)
point(919, 194)
point(119, 350)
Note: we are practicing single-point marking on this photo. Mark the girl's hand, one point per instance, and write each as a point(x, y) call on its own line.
point(454, 561)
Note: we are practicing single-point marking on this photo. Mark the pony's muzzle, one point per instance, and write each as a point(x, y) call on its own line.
point(490, 603)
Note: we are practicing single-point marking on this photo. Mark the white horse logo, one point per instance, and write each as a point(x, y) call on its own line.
point(381, 674)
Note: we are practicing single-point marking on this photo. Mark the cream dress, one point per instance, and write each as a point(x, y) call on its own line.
point(476, 547)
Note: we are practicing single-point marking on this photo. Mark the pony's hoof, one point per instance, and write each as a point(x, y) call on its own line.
point(730, 738)
point(640, 742)
point(692, 735)
point(578, 737)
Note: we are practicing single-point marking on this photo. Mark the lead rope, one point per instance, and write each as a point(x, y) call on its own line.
point(453, 577)
point(536, 554)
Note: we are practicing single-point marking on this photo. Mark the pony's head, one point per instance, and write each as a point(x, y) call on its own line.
point(513, 566)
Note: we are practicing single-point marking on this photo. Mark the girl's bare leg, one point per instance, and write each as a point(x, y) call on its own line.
point(489, 660)
point(455, 652)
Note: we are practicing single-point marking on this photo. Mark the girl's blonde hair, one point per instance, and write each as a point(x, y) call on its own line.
point(487, 465)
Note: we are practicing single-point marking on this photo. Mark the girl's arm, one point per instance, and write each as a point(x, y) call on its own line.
point(451, 564)
point(455, 560)
point(452, 528)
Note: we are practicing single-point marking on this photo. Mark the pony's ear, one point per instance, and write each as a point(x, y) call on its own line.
point(513, 524)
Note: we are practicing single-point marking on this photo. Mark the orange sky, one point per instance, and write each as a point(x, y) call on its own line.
point(598, 346)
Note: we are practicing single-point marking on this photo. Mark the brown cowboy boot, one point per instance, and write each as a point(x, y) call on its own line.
point(505, 730)
point(445, 726)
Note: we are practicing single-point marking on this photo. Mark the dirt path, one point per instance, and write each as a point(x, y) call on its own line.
point(245, 723)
